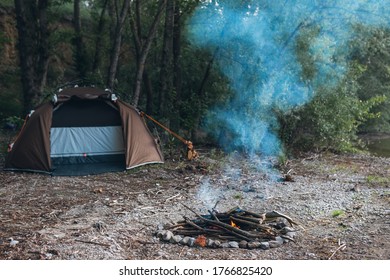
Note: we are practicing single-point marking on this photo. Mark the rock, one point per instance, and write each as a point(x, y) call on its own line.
point(217, 244)
point(264, 245)
point(243, 244)
point(191, 242)
point(185, 240)
point(210, 243)
point(176, 239)
point(225, 245)
point(279, 239)
point(167, 235)
point(274, 244)
point(253, 245)
point(291, 234)
point(160, 233)
point(287, 229)
point(13, 242)
point(233, 244)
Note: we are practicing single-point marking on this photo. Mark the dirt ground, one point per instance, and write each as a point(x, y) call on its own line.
point(341, 202)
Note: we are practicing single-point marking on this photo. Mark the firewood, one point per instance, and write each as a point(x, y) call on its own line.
point(236, 231)
point(250, 219)
point(235, 225)
point(275, 214)
point(265, 228)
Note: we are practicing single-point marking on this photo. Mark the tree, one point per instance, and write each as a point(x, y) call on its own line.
point(144, 47)
point(99, 38)
point(166, 70)
point(371, 50)
point(80, 56)
point(116, 46)
point(33, 47)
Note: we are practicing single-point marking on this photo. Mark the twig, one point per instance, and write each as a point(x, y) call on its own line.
point(275, 214)
point(181, 252)
point(172, 197)
point(260, 216)
point(195, 225)
point(92, 242)
point(341, 247)
point(233, 210)
point(268, 229)
point(213, 215)
point(144, 242)
point(250, 219)
point(215, 206)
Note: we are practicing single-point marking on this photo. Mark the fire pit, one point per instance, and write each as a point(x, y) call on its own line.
point(236, 228)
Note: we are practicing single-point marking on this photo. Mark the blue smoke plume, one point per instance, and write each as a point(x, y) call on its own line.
point(255, 47)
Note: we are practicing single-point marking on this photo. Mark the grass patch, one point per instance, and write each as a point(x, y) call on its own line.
point(347, 168)
point(376, 180)
point(337, 213)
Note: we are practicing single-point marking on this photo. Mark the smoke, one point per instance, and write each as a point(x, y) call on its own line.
point(208, 194)
point(255, 46)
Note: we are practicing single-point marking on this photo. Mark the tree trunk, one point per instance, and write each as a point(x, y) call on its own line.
point(33, 47)
point(202, 90)
point(177, 78)
point(145, 51)
point(80, 52)
point(165, 85)
point(149, 93)
point(117, 44)
point(99, 36)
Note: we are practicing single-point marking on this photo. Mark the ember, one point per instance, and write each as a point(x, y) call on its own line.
point(234, 228)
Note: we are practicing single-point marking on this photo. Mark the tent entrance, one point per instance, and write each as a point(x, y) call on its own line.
point(86, 137)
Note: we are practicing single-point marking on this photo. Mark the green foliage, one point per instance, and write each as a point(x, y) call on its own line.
point(331, 120)
point(307, 62)
point(376, 180)
point(337, 213)
point(337, 113)
point(9, 105)
point(10, 88)
point(15, 121)
point(7, 3)
point(372, 51)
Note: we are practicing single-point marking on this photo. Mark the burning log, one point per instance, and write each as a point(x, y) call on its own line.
point(234, 228)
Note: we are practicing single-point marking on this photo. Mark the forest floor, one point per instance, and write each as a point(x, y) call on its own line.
point(341, 202)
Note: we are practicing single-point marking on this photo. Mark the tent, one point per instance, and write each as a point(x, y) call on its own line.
point(83, 130)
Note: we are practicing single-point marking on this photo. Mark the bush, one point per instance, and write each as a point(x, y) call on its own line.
point(330, 121)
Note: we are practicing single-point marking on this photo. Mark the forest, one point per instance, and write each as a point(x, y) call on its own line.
point(261, 76)
point(277, 97)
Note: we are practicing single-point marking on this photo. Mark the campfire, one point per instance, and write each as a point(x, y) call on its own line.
point(236, 228)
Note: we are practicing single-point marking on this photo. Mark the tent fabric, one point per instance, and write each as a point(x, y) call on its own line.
point(80, 141)
point(84, 132)
point(31, 150)
point(141, 148)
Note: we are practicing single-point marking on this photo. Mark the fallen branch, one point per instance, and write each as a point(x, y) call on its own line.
point(172, 197)
point(341, 247)
point(93, 242)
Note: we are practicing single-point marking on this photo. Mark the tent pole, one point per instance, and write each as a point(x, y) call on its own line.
point(191, 153)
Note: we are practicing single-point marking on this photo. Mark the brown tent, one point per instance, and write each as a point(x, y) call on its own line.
point(84, 130)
